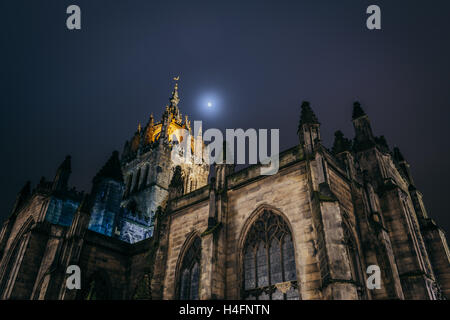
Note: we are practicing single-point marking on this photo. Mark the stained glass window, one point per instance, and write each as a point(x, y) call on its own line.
point(190, 272)
point(269, 262)
point(276, 273)
point(249, 263)
point(261, 265)
point(288, 259)
point(195, 277)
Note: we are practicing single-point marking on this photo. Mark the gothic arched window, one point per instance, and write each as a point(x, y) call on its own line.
point(189, 277)
point(269, 261)
point(355, 262)
point(98, 287)
point(11, 269)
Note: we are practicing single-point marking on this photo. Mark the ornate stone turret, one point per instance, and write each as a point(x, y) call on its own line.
point(149, 131)
point(363, 131)
point(187, 124)
point(135, 142)
point(62, 175)
point(176, 186)
point(341, 144)
point(308, 128)
point(174, 100)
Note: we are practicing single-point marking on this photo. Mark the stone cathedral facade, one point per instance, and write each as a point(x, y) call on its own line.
point(150, 229)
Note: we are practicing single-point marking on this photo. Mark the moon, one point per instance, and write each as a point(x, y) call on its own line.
point(209, 104)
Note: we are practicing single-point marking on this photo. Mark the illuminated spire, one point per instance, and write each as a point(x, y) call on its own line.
point(172, 109)
point(139, 127)
point(174, 100)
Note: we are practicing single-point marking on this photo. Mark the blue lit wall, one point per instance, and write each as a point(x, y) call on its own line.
point(61, 211)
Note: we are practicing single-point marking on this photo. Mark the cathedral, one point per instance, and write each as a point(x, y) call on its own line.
point(153, 229)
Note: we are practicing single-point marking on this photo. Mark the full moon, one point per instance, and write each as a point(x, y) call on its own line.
point(209, 104)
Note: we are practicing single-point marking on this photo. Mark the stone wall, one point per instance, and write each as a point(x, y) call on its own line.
point(185, 223)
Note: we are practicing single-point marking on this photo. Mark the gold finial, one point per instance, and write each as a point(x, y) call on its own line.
point(176, 78)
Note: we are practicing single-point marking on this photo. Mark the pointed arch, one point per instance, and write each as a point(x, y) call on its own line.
point(188, 270)
point(354, 256)
point(98, 286)
point(48, 285)
point(12, 260)
point(267, 264)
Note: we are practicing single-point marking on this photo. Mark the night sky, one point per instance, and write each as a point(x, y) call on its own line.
point(84, 92)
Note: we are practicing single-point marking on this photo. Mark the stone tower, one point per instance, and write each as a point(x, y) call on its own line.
point(148, 170)
point(107, 194)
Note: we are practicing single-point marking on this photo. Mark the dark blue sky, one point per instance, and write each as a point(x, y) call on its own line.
point(84, 92)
